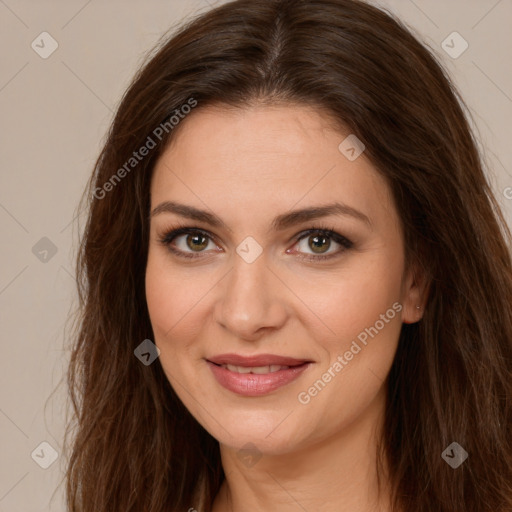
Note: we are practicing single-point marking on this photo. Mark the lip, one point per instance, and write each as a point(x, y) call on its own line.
point(256, 384)
point(259, 360)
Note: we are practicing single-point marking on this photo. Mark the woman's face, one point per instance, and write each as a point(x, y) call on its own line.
point(258, 280)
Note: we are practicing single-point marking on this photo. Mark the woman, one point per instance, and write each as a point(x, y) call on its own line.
point(295, 283)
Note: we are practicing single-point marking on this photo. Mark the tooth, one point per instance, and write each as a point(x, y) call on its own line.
point(255, 369)
point(260, 369)
point(238, 369)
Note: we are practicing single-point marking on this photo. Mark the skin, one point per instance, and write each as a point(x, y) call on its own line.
point(247, 166)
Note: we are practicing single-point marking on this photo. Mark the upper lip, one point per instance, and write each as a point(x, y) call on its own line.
point(258, 360)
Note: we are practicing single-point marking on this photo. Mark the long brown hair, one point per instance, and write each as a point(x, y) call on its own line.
point(134, 445)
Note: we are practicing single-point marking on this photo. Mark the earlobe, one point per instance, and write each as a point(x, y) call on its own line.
point(412, 315)
point(415, 294)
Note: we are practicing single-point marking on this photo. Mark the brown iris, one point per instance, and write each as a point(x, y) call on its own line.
point(197, 241)
point(316, 242)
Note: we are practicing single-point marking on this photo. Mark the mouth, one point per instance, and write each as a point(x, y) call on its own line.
point(256, 375)
point(258, 370)
point(258, 361)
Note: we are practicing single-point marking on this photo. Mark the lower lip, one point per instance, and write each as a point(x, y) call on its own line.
point(255, 384)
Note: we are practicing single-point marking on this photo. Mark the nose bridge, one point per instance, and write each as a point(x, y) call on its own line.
point(250, 298)
point(248, 279)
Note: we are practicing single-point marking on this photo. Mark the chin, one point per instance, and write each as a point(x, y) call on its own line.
point(267, 432)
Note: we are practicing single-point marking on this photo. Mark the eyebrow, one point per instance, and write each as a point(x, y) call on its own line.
point(280, 222)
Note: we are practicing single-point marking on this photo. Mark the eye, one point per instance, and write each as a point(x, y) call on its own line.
point(319, 241)
point(187, 241)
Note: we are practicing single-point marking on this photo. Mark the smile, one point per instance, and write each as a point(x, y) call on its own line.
point(255, 380)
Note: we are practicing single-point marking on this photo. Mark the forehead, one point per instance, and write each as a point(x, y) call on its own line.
point(259, 159)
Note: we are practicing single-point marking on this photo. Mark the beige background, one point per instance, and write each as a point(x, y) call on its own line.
point(55, 113)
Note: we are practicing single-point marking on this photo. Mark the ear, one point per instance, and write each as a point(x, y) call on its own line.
point(415, 288)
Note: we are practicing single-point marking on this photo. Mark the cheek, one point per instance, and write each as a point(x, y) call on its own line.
point(348, 301)
point(170, 299)
point(166, 300)
point(171, 292)
point(348, 387)
point(365, 315)
point(161, 296)
point(362, 310)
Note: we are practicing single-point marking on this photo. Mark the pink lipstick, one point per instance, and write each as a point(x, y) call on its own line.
point(255, 375)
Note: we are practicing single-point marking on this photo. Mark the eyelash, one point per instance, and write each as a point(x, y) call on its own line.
point(170, 235)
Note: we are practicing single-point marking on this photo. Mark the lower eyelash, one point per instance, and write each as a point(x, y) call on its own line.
point(168, 237)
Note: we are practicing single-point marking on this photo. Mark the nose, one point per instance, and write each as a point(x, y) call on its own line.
point(251, 300)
